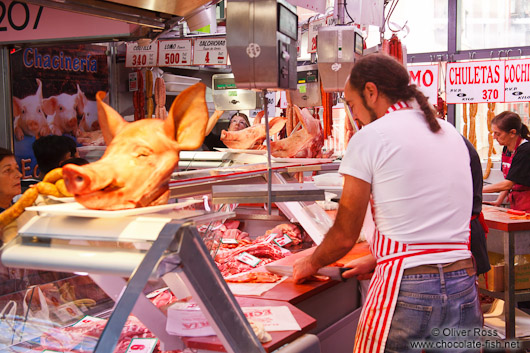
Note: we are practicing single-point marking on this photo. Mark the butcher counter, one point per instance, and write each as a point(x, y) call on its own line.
point(326, 311)
point(508, 235)
point(334, 306)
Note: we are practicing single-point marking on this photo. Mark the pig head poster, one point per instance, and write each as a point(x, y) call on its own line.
point(54, 92)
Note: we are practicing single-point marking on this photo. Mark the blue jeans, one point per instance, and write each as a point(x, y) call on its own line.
point(440, 309)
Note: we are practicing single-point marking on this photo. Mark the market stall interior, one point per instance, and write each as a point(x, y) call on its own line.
point(166, 243)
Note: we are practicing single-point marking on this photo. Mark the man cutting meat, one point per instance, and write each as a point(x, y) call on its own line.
point(414, 170)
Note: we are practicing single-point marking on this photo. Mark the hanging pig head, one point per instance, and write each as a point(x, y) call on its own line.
point(140, 157)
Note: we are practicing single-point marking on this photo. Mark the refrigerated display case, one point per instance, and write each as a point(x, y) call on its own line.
point(154, 250)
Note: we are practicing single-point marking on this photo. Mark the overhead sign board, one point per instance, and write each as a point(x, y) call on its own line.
point(475, 82)
point(517, 80)
point(425, 77)
point(174, 52)
point(21, 22)
point(141, 55)
point(313, 32)
point(210, 51)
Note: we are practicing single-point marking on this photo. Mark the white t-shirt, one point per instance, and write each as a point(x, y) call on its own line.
point(421, 181)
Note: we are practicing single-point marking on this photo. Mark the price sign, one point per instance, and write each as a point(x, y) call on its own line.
point(517, 80)
point(141, 56)
point(312, 36)
point(142, 345)
point(283, 240)
point(174, 52)
point(299, 42)
point(425, 77)
point(210, 51)
point(248, 259)
point(88, 320)
point(475, 82)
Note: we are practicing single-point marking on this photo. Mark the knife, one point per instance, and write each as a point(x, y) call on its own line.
point(510, 211)
point(335, 273)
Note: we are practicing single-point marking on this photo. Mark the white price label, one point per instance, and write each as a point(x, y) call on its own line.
point(141, 56)
point(87, 320)
point(312, 36)
point(67, 312)
point(174, 52)
point(270, 237)
point(248, 259)
point(475, 82)
point(142, 345)
point(210, 51)
point(283, 240)
point(229, 241)
point(299, 42)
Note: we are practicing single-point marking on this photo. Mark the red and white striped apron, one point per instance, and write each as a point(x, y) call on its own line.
point(376, 316)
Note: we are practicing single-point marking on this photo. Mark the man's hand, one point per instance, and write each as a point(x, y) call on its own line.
point(361, 268)
point(302, 269)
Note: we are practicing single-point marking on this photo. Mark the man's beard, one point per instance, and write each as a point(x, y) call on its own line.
point(373, 116)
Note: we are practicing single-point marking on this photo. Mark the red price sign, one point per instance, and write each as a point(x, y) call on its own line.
point(141, 56)
point(312, 36)
point(142, 345)
point(174, 52)
point(210, 51)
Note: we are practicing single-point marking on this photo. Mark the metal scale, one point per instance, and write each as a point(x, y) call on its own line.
point(337, 48)
point(261, 41)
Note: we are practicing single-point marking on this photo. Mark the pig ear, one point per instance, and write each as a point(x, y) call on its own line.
point(49, 105)
point(17, 107)
point(39, 88)
point(110, 120)
point(304, 116)
point(309, 122)
point(276, 124)
point(257, 118)
point(187, 118)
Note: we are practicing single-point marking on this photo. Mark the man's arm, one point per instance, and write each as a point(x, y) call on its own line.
point(342, 236)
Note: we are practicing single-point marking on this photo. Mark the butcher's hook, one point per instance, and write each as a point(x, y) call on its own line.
point(472, 55)
point(500, 53)
point(508, 53)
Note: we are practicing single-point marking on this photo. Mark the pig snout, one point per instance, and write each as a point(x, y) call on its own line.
point(33, 126)
point(77, 179)
point(71, 123)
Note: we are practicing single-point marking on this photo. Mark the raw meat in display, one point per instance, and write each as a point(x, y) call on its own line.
point(251, 137)
point(280, 230)
point(255, 277)
point(140, 157)
point(228, 263)
point(303, 143)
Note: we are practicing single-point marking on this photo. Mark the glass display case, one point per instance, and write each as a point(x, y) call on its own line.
point(130, 267)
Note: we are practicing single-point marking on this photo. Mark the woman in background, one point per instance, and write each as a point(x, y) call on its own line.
point(9, 178)
point(510, 132)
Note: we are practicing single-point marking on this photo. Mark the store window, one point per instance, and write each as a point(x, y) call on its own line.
point(493, 24)
point(421, 25)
